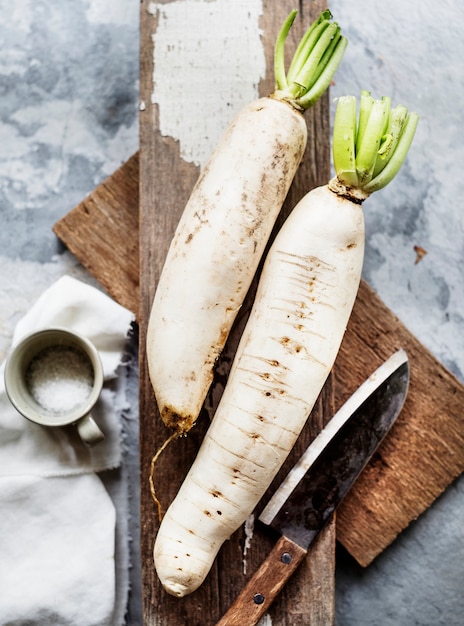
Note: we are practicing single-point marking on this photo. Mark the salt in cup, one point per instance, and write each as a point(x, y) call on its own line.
point(54, 377)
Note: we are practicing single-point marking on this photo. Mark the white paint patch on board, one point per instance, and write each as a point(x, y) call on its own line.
point(249, 528)
point(208, 62)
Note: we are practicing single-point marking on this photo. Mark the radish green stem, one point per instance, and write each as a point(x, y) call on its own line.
point(345, 158)
point(314, 62)
point(365, 106)
point(279, 60)
point(394, 164)
point(368, 148)
point(397, 121)
point(368, 153)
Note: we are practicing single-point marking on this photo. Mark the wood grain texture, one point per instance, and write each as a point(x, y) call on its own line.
point(267, 582)
point(423, 453)
point(102, 232)
point(421, 456)
point(165, 183)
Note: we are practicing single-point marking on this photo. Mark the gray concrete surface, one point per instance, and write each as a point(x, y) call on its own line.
point(69, 118)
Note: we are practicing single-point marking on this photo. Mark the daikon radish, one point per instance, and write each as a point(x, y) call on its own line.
point(304, 299)
point(227, 222)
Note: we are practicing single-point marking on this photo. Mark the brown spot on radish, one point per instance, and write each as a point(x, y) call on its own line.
point(291, 346)
point(180, 424)
point(223, 336)
point(207, 513)
point(219, 512)
point(216, 494)
point(352, 245)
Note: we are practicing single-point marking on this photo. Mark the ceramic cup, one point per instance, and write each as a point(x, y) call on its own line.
point(54, 377)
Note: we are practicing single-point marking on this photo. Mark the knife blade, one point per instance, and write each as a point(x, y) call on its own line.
point(307, 498)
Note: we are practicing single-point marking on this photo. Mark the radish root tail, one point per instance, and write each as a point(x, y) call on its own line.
point(152, 472)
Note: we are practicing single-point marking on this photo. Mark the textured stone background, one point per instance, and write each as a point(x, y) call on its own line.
point(413, 52)
point(69, 117)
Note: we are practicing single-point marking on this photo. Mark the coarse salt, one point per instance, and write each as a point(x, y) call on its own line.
point(60, 379)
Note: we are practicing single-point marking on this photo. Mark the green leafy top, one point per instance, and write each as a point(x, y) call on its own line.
point(369, 152)
point(314, 63)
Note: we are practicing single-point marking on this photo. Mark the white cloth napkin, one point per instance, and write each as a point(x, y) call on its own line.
point(57, 521)
point(57, 551)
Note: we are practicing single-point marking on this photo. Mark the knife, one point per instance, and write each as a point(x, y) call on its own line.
point(315, 486)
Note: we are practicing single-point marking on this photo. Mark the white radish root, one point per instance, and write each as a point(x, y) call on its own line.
point(304, 299)
point(302, 306)
point(226, 225)
point(215, 252)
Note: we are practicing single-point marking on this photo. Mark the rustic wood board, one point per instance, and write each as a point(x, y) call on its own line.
point(423, 453)
point(166, 180)
point(102, 231)
point(421, 456)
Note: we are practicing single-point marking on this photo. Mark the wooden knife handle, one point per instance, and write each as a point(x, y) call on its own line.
point(261, 590)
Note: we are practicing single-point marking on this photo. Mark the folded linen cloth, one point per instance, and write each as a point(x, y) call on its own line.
point(26, 448)
point(57, 521)
point(57, 551)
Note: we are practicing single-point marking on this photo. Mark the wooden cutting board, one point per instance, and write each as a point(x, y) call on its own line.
point(420, 457)
point(166, 180)
point(121, 232)
point(423, 453)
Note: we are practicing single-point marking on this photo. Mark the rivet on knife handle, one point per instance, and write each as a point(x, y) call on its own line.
point(257, 596)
